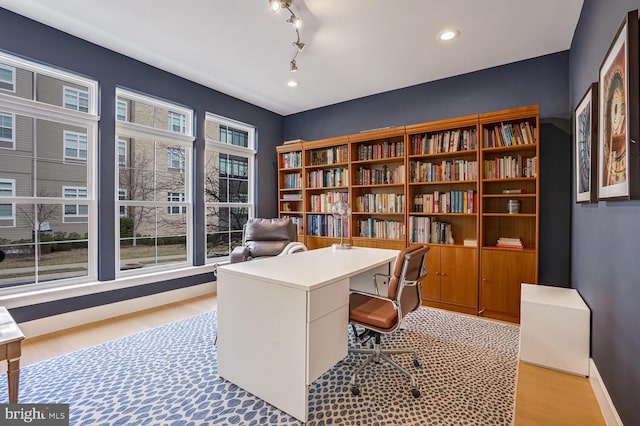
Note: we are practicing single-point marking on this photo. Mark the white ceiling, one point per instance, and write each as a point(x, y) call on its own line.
point(354, 48)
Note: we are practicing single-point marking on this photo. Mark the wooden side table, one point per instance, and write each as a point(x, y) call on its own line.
point(10, 350)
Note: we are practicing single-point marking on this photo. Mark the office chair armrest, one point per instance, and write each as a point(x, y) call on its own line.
point(240, 254)
point(375, 280)
point(293, 247)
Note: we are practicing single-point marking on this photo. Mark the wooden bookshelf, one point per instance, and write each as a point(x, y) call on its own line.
point(510, 209)
point(291, 185)
point(451, 184)
point(378, 188)
point(443, 209)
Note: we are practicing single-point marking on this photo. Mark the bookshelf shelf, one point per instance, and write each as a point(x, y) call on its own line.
point(509, 195)
point(467, 153)
point(511, 215)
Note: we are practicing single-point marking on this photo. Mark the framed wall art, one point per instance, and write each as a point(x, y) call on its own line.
point(619, 115)
point(586, 146)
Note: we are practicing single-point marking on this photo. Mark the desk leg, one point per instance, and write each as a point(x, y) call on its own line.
point(13, 371)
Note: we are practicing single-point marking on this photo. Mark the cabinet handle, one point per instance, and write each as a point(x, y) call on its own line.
point(443, 274)
point(437, 273)
point(485, 280)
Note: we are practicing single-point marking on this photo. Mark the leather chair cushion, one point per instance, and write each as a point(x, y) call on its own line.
point(266, 248)
point(372, 312)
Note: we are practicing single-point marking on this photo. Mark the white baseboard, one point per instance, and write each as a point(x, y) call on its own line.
point(84, 316)
point(609, 412)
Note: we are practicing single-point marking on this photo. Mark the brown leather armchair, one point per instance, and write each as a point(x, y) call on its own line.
point(384, 314)
point(267, 237)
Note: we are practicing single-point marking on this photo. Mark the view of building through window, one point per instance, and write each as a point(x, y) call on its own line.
point(228, 185)
point(155, 211)
point(47, 197)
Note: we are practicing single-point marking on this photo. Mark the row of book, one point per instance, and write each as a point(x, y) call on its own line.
point(444, 171)
point(447, 141)
point(380, 203)
point(297, 220)
point(321, 225)
point(376, 228)
point(292, 180)
point(423, 229)
point(322, 203)
point(385, 175)
point(328, 178)
point(446, 202)
point(385, 149)
point(510, 167)
point(290, 160)
point(332, 155)
point(510, 134)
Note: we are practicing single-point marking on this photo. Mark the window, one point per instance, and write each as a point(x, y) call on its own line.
point(122, 195)
point(233, 136)
point(75, 211)
point(75, 146)
point(7, 210)
point(175, 158)
point(229, 183)
point(122, 152)
point(7, 78)
point(48, 207)
point(121, 110)
point(177, 122)
point(76, 99)
point(176, 197)
point(155, 181)
point(7, 130)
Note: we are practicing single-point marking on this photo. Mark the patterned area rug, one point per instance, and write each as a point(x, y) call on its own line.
point(167, 376)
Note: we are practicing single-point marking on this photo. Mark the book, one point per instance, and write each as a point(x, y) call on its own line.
point(470, 242)
point(514, 191)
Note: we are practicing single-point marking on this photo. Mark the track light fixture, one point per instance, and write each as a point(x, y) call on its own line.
point(295, 21)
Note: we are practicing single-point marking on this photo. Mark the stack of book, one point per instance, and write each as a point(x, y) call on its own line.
point(514, 243)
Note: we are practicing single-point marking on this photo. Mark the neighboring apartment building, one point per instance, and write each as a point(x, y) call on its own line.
point(43, 158)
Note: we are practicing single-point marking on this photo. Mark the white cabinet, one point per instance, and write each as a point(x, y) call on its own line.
point(554, 328)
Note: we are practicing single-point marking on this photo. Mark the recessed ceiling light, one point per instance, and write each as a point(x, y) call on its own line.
point(448, 35)
point(292, 83)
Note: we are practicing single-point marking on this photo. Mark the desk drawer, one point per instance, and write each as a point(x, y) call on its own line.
point(327, 299)
point(328, 342)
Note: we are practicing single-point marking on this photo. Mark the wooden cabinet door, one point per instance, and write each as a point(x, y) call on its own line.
point(459, 276)
point(502, 274)
point(431, 284)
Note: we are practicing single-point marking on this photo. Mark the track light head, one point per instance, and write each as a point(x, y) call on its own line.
point(294, 66)
point(295, 21)
point(299, 45)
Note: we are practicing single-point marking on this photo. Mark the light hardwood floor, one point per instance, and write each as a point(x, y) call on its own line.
point(544, 397)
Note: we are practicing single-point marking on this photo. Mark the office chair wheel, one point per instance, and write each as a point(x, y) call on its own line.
point(415, 392)
point(416, 363)
point(355, 391)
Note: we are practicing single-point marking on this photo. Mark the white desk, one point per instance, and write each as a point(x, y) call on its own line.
point(282, 321)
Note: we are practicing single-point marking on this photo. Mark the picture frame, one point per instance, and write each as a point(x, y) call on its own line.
point(586, 146)
point(618, 115)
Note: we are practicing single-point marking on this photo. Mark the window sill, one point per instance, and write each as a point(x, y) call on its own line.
point(35, 296)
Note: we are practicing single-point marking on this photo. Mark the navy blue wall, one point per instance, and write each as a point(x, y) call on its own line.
point(543, 81)
point(24, 37)
point(606, 235)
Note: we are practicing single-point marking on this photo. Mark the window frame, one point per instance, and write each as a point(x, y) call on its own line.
point(34, 109)
point(126, 110)
point(212, 145)
point(76, 93)
point(182, 121)
point(13, 78)
point(77, 213)
point(13, 131)
point(127, 129)
point(77, 158)
point(12, 182)
point(126, 149)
